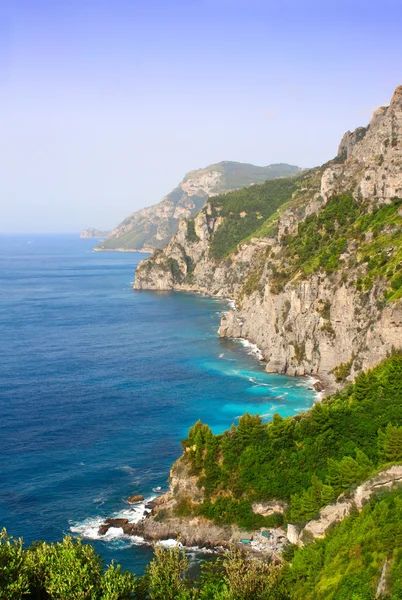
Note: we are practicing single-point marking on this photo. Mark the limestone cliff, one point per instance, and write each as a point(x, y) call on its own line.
point(323, 301)
point(154, 226)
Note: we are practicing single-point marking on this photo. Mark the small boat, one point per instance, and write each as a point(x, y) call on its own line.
point(157, 490)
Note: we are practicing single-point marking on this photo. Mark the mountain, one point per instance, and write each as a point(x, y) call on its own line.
point(313, 262)
point(91, 232)
point(154, 226)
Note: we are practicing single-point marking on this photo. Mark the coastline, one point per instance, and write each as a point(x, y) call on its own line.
point(191, 533)
point(143, 250)
point(322, 383)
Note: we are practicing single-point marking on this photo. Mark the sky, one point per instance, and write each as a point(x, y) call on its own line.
point(106, 104)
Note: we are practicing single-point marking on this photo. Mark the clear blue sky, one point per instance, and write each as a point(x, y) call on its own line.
point(105, 105)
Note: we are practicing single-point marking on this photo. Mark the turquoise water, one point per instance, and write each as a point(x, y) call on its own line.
point(98, 385)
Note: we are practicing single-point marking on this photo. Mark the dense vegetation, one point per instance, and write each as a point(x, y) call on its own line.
point(348, 562)
point(346, 565)
point(245, 210)
point(308, 459)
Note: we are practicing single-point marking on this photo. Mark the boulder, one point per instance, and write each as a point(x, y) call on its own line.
point(318, 386)
point(293, 535)
point(104, 528)
point(135, 499)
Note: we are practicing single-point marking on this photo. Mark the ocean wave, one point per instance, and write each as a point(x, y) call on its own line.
point(89, 528)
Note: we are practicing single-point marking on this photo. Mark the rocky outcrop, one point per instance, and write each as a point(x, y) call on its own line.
point(153, 227)
point(266, 509)
point(313, 324)
point(334, 513)
point(135, 499)
point(370, 158)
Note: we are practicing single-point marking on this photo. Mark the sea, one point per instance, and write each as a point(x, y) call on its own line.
point(99, 383)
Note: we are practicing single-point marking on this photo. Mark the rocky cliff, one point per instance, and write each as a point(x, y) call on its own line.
point(154, 226)
point(91, 232)
point(314, 265)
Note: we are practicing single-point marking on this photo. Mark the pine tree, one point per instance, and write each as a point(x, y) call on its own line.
point(365, 464)
point(327, 495)
point(361, 387)
point(390, 443)
point(316, 492)
point(199, 451)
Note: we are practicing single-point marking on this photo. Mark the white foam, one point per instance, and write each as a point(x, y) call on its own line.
point(310, 383)
point(89, 528)
point(170, 543)
point(252, 349)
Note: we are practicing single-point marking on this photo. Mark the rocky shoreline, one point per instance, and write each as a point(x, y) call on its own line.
point(196, 532)
point(159, 523)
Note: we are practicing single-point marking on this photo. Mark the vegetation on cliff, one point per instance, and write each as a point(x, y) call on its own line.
point(308, 459)
point(349, 561)
point(346, 233)
point(245, 210)
point(350, 235)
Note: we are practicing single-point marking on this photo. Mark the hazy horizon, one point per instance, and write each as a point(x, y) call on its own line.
point(105, 106)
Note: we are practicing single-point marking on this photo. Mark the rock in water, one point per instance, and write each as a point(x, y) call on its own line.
point(135, 499)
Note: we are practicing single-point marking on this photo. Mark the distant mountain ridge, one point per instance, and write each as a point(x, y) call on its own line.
point(92, 232)
point(153, 227)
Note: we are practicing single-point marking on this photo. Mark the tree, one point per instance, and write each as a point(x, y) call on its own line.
point(13, 574)
point(253, 579)
point(390, 443)
point(166, 575)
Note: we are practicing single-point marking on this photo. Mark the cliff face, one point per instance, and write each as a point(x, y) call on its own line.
point(340, 310)
point(154, 226)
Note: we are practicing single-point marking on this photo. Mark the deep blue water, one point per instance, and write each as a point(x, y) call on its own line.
point(99, 383)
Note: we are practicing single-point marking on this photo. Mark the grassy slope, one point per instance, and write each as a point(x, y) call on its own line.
point(245, 211)
point(346, 235)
